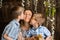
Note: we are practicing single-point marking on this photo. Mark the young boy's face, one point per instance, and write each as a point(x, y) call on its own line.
point(33, 22)
point(21, 16)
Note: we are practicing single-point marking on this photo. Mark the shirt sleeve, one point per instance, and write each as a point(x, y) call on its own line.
point(46, 32)
point(13, 32)
point(7, 29)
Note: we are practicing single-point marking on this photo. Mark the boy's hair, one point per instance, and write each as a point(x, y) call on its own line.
point(23, 23)
point(38, 17)
point(15, 10)
point(41, 15)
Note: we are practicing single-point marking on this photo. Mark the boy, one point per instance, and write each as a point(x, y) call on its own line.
point(12, 29)
point(37, 29)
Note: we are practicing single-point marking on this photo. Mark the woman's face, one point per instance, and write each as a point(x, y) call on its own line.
point(28, 15)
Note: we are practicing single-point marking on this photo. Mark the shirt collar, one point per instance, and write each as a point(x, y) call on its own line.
point(36, 28)
point(16, 22)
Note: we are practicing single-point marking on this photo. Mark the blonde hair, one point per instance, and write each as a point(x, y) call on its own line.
point(38, 17)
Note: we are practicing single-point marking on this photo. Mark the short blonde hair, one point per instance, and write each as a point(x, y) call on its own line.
point(38, 17)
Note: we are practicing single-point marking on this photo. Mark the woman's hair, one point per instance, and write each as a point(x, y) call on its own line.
point(15, 11)
point(23, 23)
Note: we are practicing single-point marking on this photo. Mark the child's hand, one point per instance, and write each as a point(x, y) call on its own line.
point(10, 39)
point(7, 37)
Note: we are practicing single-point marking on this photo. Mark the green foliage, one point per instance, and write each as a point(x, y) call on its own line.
point(53, 10)
point(50, 9)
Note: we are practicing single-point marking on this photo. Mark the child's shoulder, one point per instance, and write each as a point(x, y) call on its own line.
point(10, 24)
point(12, 21)
point(43, 27)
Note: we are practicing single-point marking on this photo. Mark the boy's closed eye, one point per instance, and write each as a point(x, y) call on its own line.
point(33, 21)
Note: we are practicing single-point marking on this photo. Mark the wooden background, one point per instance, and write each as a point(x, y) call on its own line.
point(5, 15)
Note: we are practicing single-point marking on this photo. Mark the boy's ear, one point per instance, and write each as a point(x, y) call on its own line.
point(43, 20)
